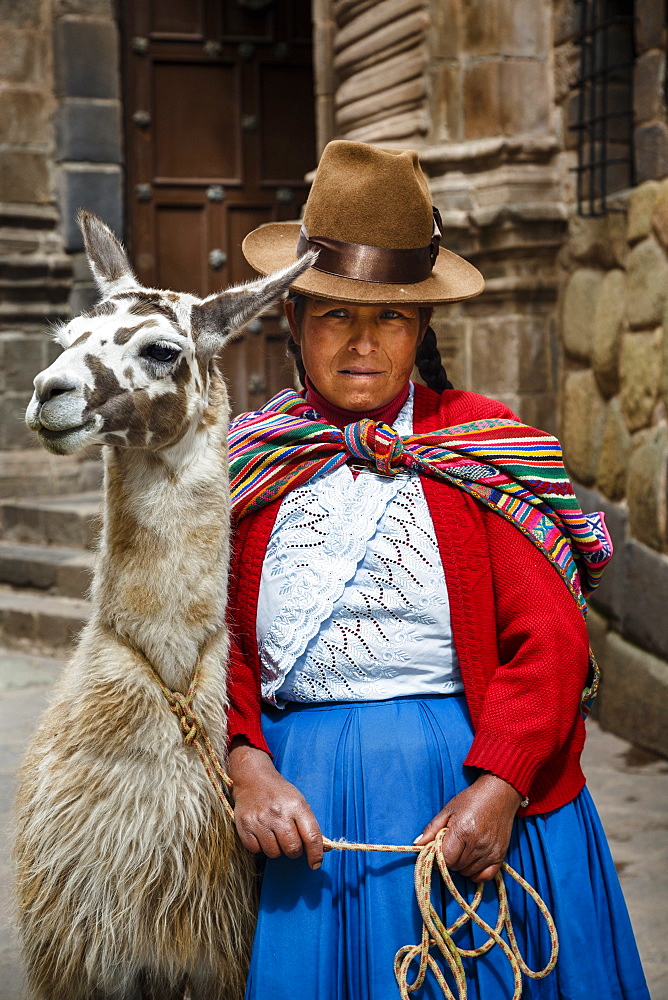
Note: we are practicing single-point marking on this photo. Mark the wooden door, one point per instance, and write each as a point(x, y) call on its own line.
point(219, 126)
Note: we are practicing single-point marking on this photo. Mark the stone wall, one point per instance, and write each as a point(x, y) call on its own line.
point(34, 271)
point(494, 156)
point(614, 397)
point(88, 127)
point(613, 333)
point(649, 91)
point(60, 148)
point(468, 83)
point(378, 62)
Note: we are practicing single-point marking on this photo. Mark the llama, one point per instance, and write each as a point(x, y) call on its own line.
point(131, 882)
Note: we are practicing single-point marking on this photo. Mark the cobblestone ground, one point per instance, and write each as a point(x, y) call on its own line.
point(630, 788)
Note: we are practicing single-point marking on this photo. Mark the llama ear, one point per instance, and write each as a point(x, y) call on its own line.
point(107, 258)
point(222, 316)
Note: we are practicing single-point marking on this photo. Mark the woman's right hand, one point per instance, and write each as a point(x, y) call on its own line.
point(272, 815)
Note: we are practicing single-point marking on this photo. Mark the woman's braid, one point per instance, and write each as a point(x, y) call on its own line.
point(292, 346)
point(295, 351)
point(429, 365)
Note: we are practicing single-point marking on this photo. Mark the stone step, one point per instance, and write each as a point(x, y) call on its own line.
point(33, 472)
point(63, 571)
point(62, 521)
point(21, 670)
point(40, 623)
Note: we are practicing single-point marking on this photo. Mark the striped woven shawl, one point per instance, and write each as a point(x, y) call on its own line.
point(513, 469)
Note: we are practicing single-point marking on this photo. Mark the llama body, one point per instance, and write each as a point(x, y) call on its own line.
point(131, 881)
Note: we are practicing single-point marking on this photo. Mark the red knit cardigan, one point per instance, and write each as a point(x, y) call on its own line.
point(520, 638)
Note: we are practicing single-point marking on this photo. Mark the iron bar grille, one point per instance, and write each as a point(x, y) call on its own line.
point(604, 102)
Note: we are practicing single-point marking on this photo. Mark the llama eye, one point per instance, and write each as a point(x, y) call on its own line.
point(160, 352)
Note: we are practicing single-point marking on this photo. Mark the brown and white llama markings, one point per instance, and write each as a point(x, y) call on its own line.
point(131, 882)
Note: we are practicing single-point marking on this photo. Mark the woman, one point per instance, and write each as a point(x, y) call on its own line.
point(405, 657)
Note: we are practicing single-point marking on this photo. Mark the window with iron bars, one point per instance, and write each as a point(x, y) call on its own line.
point(604, 102)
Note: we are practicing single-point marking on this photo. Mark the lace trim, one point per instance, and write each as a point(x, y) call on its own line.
point(329, 521)
point(391, 632)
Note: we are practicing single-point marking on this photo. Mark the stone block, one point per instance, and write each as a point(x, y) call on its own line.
point(98, 189)
point(583, 416)
point(647, 287)
point(599, 241)
point(81, 272)
point(13, 432)
point(616, 448)
point(83, 298)
point(644, 608)
point(24, 176)
point(633, 700)
point(566, 63)
point(650, 22)
point(89, 130)
point(640, 376)
point(659, 218)
point(565, 21)
point(524, 28)
point(24, 117)
point(482, 110)
point(20, 55)
point(649, 78)
point(446, 107)
point(641, 206)
point(608, 324)
point(534, 355)
point(579, 308)
point(650, 144)
point(447, 26)
point(86, 57)
point(609, 595)
point(22, 14)
point(481, 27)
point(525, 96)
point(22, 356)
point(539, 409)
point(494, 355)
point(53, 351)
point(646, 491)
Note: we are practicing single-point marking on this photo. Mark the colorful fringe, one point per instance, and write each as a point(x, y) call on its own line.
point(513, 469)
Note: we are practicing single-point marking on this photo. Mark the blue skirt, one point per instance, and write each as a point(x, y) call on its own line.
point(377, 772)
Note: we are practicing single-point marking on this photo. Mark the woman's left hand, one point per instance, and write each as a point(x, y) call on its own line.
point(479, 821)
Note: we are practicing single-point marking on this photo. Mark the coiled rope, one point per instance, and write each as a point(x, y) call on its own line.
point(434, 933)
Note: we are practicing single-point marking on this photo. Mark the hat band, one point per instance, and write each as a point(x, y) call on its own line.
point(362, 262)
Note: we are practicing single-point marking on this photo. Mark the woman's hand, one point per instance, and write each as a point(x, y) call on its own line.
point(271, 814)
point(479, 821)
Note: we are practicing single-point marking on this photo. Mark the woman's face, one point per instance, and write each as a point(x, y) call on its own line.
point(357, 356)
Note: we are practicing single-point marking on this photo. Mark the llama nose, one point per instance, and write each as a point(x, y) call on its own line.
point(55, 385)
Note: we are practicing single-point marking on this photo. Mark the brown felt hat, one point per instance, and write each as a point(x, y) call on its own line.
point(369, 213)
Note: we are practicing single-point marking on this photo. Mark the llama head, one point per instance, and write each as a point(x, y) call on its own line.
point(136, 370)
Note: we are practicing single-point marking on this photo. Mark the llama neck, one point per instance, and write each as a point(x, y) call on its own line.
point(161, 577)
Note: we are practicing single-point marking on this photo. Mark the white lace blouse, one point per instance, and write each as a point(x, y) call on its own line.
point(353, 602)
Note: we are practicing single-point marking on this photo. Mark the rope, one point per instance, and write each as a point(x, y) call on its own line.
point(434, 933)
point(195, 735)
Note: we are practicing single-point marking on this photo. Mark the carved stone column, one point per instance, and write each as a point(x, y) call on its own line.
point(380, 59)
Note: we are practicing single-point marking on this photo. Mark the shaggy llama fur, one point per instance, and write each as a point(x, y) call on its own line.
point(131, 880)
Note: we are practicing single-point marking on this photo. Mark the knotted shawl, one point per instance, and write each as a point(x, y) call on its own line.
point(515, 470)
